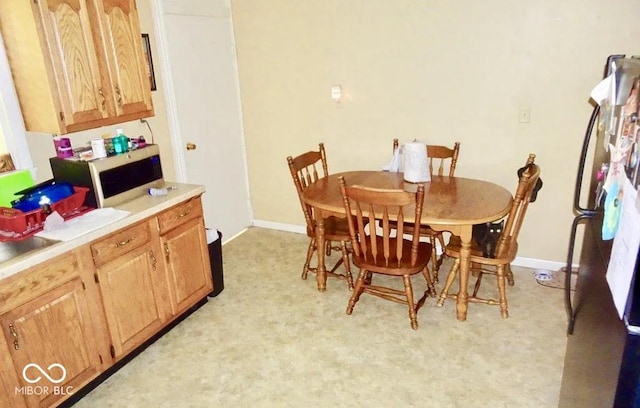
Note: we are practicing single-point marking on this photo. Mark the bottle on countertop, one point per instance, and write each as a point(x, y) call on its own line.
point(120, 142)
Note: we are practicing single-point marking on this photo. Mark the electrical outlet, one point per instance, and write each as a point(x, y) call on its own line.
point(524, 114)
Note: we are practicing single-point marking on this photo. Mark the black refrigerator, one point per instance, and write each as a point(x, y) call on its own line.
point(602, 360)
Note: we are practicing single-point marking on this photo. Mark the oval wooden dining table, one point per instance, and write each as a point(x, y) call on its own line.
point(451, 204)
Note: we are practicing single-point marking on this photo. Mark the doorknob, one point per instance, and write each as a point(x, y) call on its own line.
point(191, 146)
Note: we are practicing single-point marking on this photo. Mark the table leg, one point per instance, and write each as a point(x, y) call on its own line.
point(465, 250)
point(321, 272)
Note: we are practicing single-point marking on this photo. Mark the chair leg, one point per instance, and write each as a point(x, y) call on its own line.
point(475, 269)
point(369, 278)
point(427, 277)
point(501, 289)
point(408, 291)
point(509, 275)
point(357, 291)
point(347, 264)
point(476, 287)
point(434, 258)
point(441, 259)
point(441, 240)
point(310, 250)
point(450, 278)
point(328, 248)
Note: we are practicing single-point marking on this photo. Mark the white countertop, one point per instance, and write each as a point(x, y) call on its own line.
point(139, 209)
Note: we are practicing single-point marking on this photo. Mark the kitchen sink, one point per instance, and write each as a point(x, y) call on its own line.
point(14, 249)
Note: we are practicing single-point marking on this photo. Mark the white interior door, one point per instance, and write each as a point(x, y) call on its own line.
point(207, 107)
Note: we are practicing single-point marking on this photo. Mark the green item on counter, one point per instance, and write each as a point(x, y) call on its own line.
point(120, 142)
point(12, 182)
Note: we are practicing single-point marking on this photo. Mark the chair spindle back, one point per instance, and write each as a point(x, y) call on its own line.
point(369, 205)
point(304, 171)
point(508, 240)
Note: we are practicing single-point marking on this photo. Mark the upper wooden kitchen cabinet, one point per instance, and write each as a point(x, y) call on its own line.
point(76, 64)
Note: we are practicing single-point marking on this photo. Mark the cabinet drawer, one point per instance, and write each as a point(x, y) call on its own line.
point(120, 243)
point(180, 214)
point(24, 286)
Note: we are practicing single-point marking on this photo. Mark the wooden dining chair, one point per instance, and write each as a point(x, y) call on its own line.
point(506, 250)
point(305, 169)
point(377, 252)
point(439, 156)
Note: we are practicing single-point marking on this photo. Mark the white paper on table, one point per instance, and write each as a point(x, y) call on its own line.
point(625, 249)
point(83, 224)
point(395, 165)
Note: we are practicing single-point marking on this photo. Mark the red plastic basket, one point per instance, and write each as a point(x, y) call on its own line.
point(16, 225)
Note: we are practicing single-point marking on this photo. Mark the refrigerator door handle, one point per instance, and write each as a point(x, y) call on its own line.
point(568, 303)
point(581, 215)
point(584, 212)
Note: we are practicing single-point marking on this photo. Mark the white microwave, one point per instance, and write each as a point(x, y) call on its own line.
point(114, 179)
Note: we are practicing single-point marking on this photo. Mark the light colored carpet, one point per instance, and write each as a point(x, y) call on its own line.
point(271, 339)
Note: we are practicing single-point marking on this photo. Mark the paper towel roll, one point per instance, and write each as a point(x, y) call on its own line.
point(99, 150)
point(416, 163)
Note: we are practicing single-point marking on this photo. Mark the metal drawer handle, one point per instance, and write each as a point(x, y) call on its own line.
point(12, 329)
point(123, 243)
point(184, 214)
point(104, 100)
point(118, 96)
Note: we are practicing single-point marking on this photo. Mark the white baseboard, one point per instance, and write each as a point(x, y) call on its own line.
point(225, 241)
point(300, 229)
point(540, 264)
point(519, 261)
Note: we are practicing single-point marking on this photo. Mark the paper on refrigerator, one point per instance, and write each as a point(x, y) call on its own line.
point(625, 249)
point(604, 90)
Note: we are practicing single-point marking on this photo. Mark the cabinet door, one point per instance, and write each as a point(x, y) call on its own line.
point(67, 33)
point(125, 57)
point(9, 383)
point(52, 344)
point(131, 298)
point(187, 264)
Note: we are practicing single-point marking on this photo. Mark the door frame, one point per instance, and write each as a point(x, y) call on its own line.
point(11, 121)
point(179, 161)
point(176, 136)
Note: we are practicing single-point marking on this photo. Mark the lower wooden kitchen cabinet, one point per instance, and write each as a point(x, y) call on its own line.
point(68, 320)
point(186, 256)
point(131, 287)
point(49, 334)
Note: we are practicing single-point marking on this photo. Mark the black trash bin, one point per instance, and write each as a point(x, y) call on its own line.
point(214, 242)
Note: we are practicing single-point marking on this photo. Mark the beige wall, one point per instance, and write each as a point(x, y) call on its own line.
point(41, 145)
point(439, 71)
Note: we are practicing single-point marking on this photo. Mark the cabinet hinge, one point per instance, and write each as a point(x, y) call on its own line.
point(61, 113)
point(95, 278)
point(112, 350)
